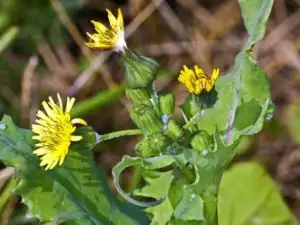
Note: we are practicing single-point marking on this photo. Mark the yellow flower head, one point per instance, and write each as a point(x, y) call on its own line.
point(54, 132)
point(196, 80)
point(112, 38)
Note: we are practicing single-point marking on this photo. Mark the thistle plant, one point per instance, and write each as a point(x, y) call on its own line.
point(182, 160)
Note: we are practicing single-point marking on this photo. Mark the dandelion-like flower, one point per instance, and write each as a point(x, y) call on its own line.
point(112, 38)
point(54, 132)
point(197, 80)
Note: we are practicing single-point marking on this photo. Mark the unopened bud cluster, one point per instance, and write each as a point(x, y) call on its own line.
point(152, 112)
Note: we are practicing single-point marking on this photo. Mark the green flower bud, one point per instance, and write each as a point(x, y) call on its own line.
point(175, 128)
point(190, 108)
point(201, 141)
point(146, 119)
point(140, 71)
point(138, 96)
point(167, 103)
point(152, 145)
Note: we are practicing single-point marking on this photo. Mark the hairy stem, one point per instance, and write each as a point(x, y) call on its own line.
point(104, 137)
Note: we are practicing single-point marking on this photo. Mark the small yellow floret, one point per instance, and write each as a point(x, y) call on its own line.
point(196, 80)
point(112, 38)
point(54, 132)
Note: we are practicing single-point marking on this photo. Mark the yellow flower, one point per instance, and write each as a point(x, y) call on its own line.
point(54, 132)
point(196, 80)
point(112, 38)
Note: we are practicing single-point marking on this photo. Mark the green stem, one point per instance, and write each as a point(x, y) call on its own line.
point(136, 179)
point(99, 100)
point(104, 137)
point(192, 121)
point(154, 98)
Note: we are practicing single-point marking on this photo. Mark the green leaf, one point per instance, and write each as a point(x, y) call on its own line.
point(158, 184)
point(243, 122)
point(255, 14)
point(191, 207)
point(71, 192)
point(162, 213)
point(158, 162)
point(244, 92)
point(247, 196)
point(149, 190)
point(127, 162)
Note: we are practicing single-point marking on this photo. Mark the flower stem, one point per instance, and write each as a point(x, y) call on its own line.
point(104, 137)
point(193, 120)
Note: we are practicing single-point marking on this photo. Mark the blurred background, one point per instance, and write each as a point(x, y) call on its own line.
point(43, 53)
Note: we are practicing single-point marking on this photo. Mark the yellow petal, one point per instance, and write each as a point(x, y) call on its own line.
point(43, 122)
point(112, 19)
point(36, 137)
point(185, 68)
point(43, 163)
point(93, 37)
point(69, 105)
point(53, 164)
point(215, 74)
point(99, 27)
point(47, 109)
point(120, 22)
point(41, 115)
point(36, 128)
point(198, 71)
point(78, 121)
point(181, 78)
point(99, 45)
point(51, 100)
point(76, 138)
point(62, 158)
point(53, 105)
point(208, 87)
point(40, 151)
point(60, 101)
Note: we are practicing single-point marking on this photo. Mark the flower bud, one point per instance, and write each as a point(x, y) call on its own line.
point(167, 103)
point(146, 119)
point(138, 96)
point(201, 141)
point(175, 128)
point(190, 107)
point(152, 145)
point(140, 71)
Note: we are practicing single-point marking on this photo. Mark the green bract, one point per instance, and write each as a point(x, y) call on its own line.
point(140, 71)
point(167, 103)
